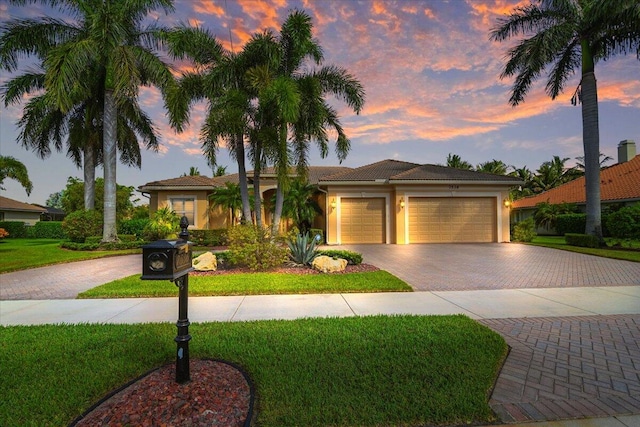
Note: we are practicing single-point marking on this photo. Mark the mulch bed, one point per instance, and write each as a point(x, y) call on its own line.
point(218, 394)
point(286, 270)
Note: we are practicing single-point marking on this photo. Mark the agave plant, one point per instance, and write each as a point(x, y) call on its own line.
point(303, 249)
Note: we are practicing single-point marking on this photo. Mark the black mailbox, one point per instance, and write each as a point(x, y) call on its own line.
point(166, 260)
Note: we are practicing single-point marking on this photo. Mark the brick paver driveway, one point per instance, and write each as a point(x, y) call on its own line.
point(451, 267)
point(558, 367)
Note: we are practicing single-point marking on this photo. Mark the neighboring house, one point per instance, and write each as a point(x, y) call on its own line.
point(51, 213)
point(385, 202)
point(619, 185)
point(13, 210)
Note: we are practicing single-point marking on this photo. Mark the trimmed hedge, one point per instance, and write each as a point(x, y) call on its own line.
point(133, 226)
point(217, 237)
point(353, 258)
point(14, 228)
point(46, 230)
point(571, 223)
point(93, 246)
point(582, 240)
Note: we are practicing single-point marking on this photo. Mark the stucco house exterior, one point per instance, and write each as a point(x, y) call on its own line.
point(619, 185)
point(392, 202)
point(13, 210)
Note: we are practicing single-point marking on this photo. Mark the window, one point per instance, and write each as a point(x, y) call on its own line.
point(184, 206)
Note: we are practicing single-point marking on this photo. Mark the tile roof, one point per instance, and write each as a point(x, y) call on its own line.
point(7, 204)
point(617, 182)
point(384, 169)
point(393, 170)
point(183, 181)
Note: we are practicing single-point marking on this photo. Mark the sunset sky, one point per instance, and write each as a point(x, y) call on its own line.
point(432, 85)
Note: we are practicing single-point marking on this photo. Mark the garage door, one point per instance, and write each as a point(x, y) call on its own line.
point(452, 220)
point(362, 220)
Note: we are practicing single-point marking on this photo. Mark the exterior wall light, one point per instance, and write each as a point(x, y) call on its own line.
point(507, 204)
point(402, 203)
point(333, 203)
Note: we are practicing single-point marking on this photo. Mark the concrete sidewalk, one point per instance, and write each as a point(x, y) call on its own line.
point(492, 304)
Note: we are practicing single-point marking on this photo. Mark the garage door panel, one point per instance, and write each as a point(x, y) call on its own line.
point(362, 220)
point(445, 220)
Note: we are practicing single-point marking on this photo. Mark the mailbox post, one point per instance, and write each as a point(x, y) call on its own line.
point(171, 260)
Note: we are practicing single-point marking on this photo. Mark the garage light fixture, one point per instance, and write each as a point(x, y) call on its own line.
point(333, 203)
point(402, 203)
point(507, 204)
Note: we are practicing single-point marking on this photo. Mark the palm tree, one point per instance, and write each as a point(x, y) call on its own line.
point(300, 206)
point(42, 124)
point(603, 159)
point(552, 174)
point(104, 46)
point(562, 36)
point(193, 171)
point(296, 102)
point(497, 167)
point(220, 80)
point(526, 176)
point(227, 197)
point(11, 167)
point(455, 161)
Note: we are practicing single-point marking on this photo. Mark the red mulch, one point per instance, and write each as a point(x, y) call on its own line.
point(287, 270)
point(217, 395)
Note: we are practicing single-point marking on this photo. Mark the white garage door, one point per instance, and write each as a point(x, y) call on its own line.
point(362, 220)
point(452, 220)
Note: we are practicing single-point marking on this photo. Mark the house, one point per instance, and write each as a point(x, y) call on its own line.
point(619, 185)
point(13, 210)
point(51, 213)
point(385, 202)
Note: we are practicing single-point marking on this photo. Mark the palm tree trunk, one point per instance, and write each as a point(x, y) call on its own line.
point(89, 167)
point(257, 166)
point(277, 213)
point(591, 142)
point(109, 233)
point(242, 178)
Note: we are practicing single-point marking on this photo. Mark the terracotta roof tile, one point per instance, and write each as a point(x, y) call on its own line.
point(183, 181)
point(617, 182)
point(7, 204)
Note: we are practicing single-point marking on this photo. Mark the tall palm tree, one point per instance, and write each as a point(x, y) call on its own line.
point(526, 176)
point(296, 100)
point(104, 46)
point(42, 124)
point(219, 79)
point(10, 167)
point(455, 161)
point(564, 36)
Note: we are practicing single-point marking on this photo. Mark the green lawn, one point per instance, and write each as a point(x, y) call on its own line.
point(21, 254)
point(253, 284)
point(558, 242)
point(358, 371)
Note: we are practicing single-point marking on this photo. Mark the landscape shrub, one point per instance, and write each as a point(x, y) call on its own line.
point(133, 226)
point(524, 231)
point(217, 237)
point(15, 229)
point(302, 249)
point(582, 240)
point(625, 223)
point(164, 224)
point(315, 232)
point(353, 258)
point(253, 247)
point(3, 233)
point(571, 223)
point(46, 230)
point(109, 246)
point(81, 224)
